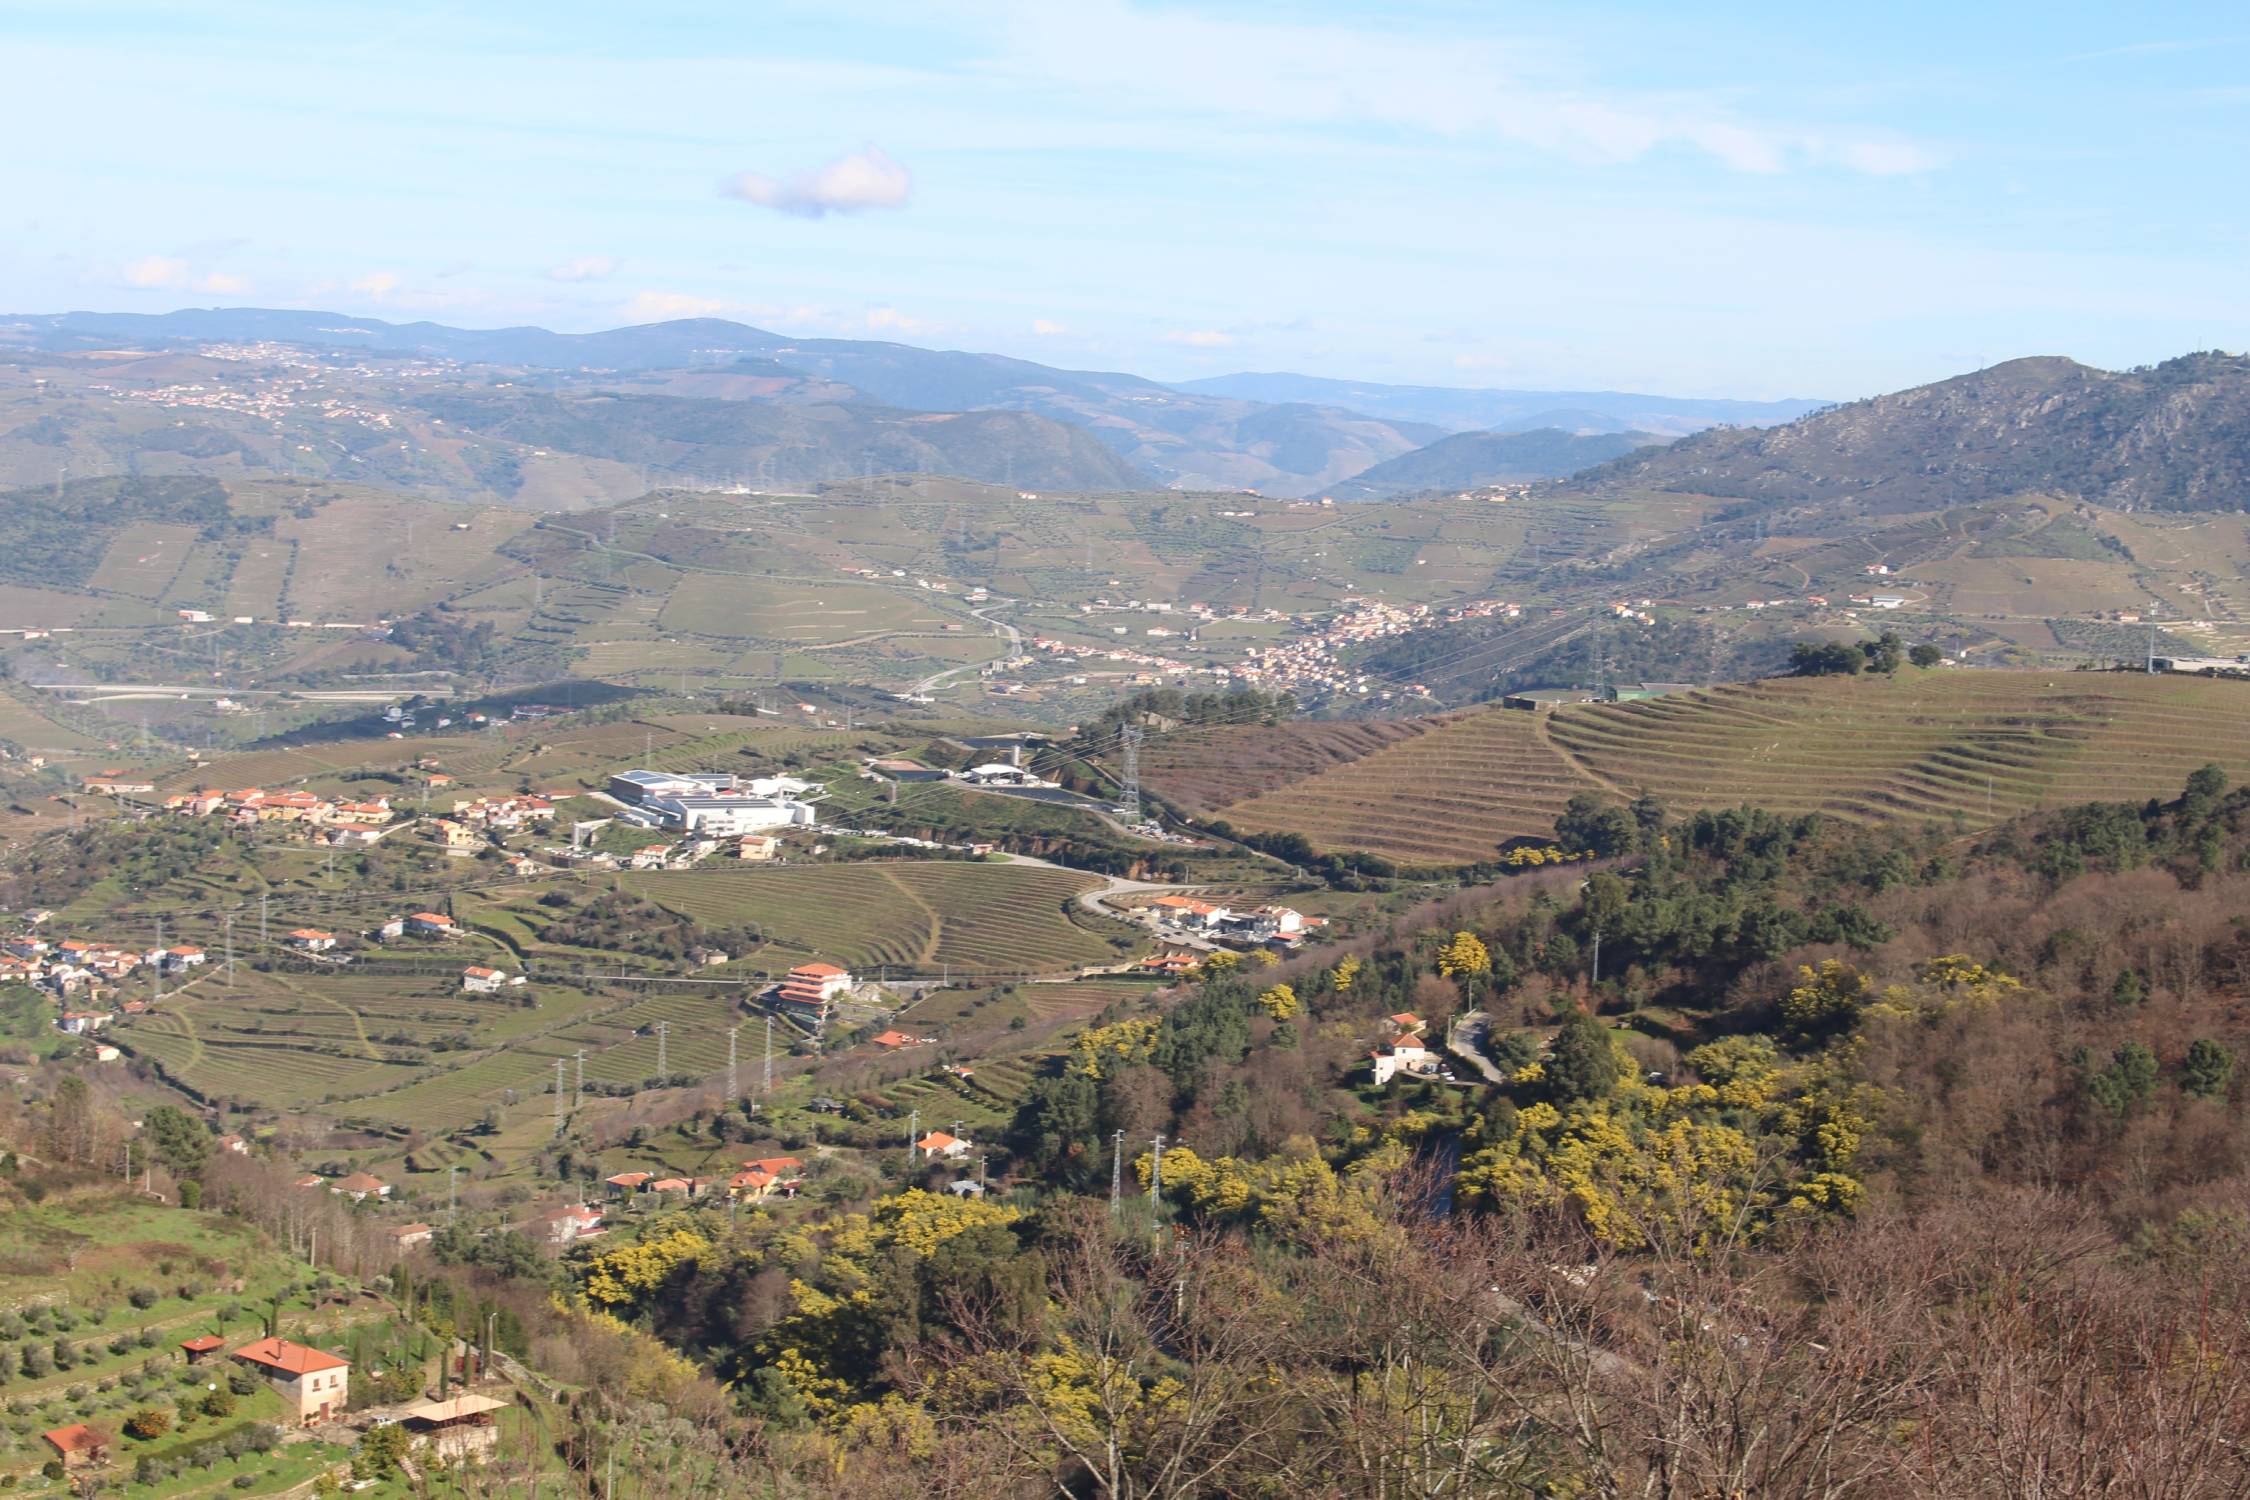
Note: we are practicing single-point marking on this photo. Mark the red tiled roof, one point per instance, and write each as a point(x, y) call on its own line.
point(202, 1344)
point(76, 1438)
point(817, 971)
point(290, 1359)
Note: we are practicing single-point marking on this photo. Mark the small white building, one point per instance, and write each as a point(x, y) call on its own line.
point(1402, 1054)
point(482, 981)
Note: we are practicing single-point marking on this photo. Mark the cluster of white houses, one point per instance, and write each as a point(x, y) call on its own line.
point(1276, 926)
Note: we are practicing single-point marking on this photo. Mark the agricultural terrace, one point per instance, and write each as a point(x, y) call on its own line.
point(112, 1282)
point(1203, 770)
point(288, 1040)
point(968, 917)
point(1976, 746)
point(1451, 795)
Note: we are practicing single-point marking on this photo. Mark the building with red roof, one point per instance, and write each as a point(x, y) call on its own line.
point(314, 1383)
point(78, 1444)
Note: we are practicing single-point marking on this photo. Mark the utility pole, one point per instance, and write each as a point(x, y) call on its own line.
point(578, 1096)
point(913, 1128)
point(159, 966)
point(452, 1190)
point(263, 902)
point(1116, 1171)
point(767, 1086)
point(1597, 979)
point(734, 1091)
point(230, 946)
point(1156, 1180)
point(1132, 791)
point(558, 1096)
point(663, 1066)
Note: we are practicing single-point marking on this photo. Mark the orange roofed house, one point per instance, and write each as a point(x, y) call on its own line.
point(312, 1381)
point(806, 993)
point(78, 1444)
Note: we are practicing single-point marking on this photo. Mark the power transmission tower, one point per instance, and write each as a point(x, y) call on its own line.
point(734, 1091)
point(262, 903)
point(452, 1190)
point(230, 946)
point(159, 958)
point(1132, 794)
point(578, 1095)
point(558, 1096)
point(913, 1129)
point(767, 1086)
point(663, 1065)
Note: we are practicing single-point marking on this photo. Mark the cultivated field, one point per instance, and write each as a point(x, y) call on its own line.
point(1975, 745)
point(933, 916)
point(1205, 770)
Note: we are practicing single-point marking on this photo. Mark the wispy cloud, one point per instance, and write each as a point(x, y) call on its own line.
point(584, 268)
point(891, 320)
point(380, 285)
point(170, 273)
point(658, 307)
point(1296, 73)
point(1047, 328)
point(848, 185)
point(1201, 338)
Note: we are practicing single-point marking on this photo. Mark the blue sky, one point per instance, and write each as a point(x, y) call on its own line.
point(1749, 199)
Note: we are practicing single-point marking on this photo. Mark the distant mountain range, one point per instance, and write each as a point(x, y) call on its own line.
point(2175, 436)
point(1468, 459)
point(1461, 409)
point(1295, 442)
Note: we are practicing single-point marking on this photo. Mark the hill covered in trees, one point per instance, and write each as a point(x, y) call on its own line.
point(2173, 436)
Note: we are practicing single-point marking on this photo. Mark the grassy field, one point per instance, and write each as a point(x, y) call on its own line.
point(1975, 745)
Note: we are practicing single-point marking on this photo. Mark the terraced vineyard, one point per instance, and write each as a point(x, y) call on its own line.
point(1452, 795)
point(1978, 746)
point(1203, 770)
point(968, 918)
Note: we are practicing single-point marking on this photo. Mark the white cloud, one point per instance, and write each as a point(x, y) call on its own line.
point(1047, 328)
point(171, 274)
point(891, 320)
point(1202, 338)
point(584, 268)
point(658, 307)
point(377, 284)
point(157, 271)
point(847, 185)
point(1289, 73)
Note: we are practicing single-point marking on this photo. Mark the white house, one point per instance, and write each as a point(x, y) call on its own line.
point(1402, 1054)
point(938, 1145)
point(482, 981)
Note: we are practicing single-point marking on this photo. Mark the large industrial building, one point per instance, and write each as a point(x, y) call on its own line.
point(717, 804)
